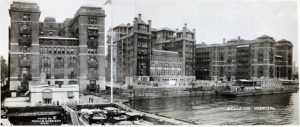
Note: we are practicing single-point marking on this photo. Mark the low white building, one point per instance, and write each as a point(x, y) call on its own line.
point(270, 83)
point(54, 94)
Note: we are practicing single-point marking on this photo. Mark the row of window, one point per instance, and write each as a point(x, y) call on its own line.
point(162, 58)
point(93, 20)
point(166, 65)
point(143, 28)
point(59, 72)
point(58, 50)
point(166, 72)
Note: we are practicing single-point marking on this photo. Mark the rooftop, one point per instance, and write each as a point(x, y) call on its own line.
point(166, 29)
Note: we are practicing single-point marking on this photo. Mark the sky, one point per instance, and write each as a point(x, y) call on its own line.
point(212, 19)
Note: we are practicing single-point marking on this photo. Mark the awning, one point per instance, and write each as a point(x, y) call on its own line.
point(47, 95)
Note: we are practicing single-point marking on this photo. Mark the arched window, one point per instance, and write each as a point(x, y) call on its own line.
point(72, 68)
point(221, 71)
point(92, 69)
point(25, 62)
point(46, 66)
point(59, 67)
point(47, 96)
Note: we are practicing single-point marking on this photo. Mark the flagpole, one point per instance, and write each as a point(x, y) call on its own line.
point(111, 54)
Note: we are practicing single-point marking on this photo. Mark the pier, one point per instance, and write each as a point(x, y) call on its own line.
point(156, 119)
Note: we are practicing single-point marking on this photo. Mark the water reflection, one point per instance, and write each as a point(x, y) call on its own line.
point(215, 109)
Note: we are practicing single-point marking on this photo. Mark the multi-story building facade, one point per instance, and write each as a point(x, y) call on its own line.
point(71, 52)
point(242, 59)
point(133, 49)
point(166, 67)
point(138, 44)
point(182, 41)
point(283, 59)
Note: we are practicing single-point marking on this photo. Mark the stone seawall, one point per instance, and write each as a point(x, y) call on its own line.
point(164, 92)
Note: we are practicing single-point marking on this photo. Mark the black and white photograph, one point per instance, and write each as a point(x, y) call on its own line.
point(149, 62)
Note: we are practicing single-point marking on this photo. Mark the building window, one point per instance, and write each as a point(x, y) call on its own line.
point(92, 20)
point(58, 50)
point(41, 50)
point(260, 71)
point(47, 96)
point(50, 33)
point(63, 50)
point(271, 72)
point(72, 68)
point(26, 17)
point(50, 50)
point(260, 56)
point(46, 67)
point(59, 67)
point(47, 101)
point(92, 70)
point(71, 51)
point(70, 94)
point(271, 55)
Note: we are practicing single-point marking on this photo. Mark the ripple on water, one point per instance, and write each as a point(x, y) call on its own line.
point(212, 110)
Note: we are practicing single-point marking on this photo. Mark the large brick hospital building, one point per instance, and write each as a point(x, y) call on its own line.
point(70, 52)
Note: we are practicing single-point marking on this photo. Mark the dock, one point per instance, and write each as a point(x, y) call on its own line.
point(156, 119)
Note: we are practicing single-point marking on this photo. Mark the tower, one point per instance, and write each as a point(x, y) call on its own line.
point(23, 46)
point(88, 25)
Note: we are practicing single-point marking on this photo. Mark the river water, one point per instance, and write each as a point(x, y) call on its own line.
point(276, 109)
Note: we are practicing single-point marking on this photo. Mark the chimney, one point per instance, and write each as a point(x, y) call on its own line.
point(140, 16)
point(194, 34)
point(149, 23)
point(239, 38)
point(185, 25)
point(224, 40)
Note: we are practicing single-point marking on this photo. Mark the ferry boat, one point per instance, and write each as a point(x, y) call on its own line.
point(260, 87)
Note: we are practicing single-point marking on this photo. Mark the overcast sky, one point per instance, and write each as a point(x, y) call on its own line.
point(212, 19)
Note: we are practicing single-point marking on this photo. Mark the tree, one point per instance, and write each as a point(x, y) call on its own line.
point(4, 70)
point(4, 74)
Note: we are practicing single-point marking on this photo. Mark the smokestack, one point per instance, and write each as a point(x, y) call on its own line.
point(149, 23)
